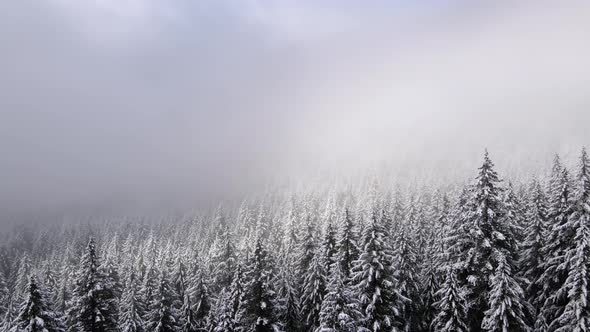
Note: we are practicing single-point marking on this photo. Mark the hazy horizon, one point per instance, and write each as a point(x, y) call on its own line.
point(149, 104)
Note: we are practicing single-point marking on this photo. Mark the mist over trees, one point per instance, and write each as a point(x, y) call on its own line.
point(490, 255)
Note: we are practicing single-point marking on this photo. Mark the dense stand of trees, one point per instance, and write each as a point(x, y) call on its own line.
point(488, 256)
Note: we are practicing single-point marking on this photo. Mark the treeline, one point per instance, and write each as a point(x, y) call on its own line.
point(485, 256)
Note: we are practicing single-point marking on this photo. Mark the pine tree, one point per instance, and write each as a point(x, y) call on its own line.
point(223, 259)
point(433, 261)
point(307, 249)
point(346, 245)
point(532, 256)
point(202, 303)
point(328, 246)
point(314, 288)
point(110, 269)
point(131, 309)
point(515, 216)
point(576, 314)
point(49, 281)
point(149, 284)
point(22, 277)
point(236, 289)
point(187, 316)
point(63, 293)
point(483, 226)
point(224, 314)
point(507, 307)
point(339, 311)
point(452, 311)
point(406, 264)
point(180, 280)
point(374, 282)
point(559, 242)
point(162, 315)
point(35, 313)
point(256, 312)
point(94, 308)
point(288, 308)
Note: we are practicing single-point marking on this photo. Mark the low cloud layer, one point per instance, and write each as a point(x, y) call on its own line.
point(136, 104)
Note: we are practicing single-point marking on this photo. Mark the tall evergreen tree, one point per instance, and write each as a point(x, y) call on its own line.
point(346, 243)
point(162, 315)
point(35, 314)
point(328, 247)
point(452, 311)
point(202, 305)
point(507, 309)
point(314, 288)
point(132, 309)
point(406, 263)
point(307, 249)
point(288, 302)
point(187, 316)
point(223, 259)
point(560, 241)
point(236, 289)
point(224, 320)
point(339, 311)
point(482, 227)
point(22, 277)
point(256, 311)
point(94, 308)
point(373, 281)
point(533, 256)
point(576, 314)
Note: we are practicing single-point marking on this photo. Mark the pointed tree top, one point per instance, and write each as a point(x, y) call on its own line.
point(91, 243)
point(584, 162)
point(486, 158)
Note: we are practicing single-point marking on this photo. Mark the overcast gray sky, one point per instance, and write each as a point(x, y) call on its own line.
point(147, 103)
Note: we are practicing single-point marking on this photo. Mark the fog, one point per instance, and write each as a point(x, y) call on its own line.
point(136, 105)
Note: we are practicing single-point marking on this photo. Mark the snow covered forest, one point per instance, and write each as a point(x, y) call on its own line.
point(487, 256)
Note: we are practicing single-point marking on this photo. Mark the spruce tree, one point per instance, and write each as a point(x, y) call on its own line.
point(314, 288)
point(576, 314)
point(162, 315)
point(452, 311)
point(223, 314)
point(346, 244)
point(307, 249)
point(202, 304)
point(560, 241)
point(533, 256)
point(223, 259)
point(406, 263)
point(373, 280)
point(339, 310)
point(482, 226)
point(131, 309)
point(236, 289)
point(256, 312)
point(328, 246)
point(288, 302)
point(187, 316)
point(35, 314)
point(22, 277)
point(180, 278)
point(94, 305)
point(507, 308)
